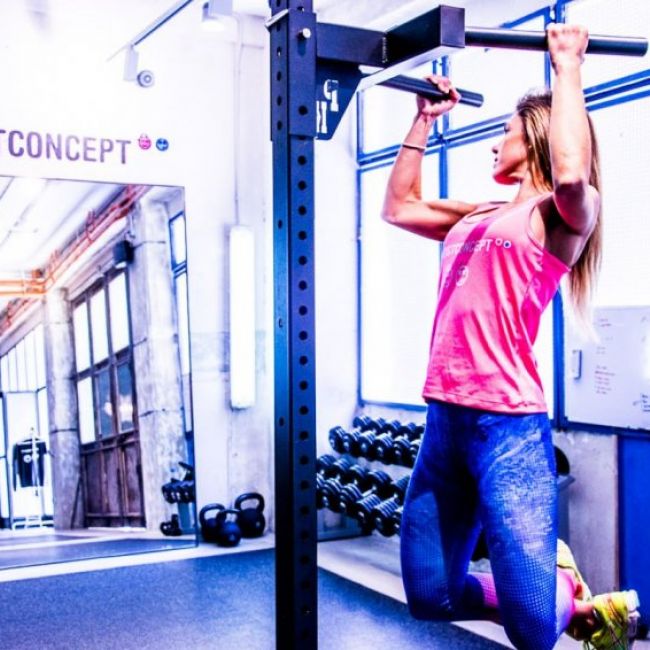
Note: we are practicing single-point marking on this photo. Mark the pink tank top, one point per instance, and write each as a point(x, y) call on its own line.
point(495, 281)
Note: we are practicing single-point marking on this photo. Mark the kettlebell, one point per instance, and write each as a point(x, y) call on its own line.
point(228, 531)
point(209, 526)
point(251, 520)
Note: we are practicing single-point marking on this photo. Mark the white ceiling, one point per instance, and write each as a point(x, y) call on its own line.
point(38, 216)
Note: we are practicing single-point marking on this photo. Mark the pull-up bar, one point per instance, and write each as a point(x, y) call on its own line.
point(341, 53)
point(518, 39)
point(424, 88)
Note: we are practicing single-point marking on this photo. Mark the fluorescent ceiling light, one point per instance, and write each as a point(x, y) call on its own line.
point(242, 317)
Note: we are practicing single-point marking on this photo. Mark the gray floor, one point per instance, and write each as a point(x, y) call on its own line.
point(214, 602)
point(66, 552)
point(17, 539)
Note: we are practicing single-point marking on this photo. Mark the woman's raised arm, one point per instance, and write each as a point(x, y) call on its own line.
point(403, 204)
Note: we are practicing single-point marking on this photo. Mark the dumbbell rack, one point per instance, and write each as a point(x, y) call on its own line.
point(370, 442)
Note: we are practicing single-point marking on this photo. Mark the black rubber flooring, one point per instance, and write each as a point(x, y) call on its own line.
point(215, 602)
point(14, 558)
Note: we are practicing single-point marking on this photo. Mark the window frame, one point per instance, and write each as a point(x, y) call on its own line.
point(615, 91)
point(111, 362)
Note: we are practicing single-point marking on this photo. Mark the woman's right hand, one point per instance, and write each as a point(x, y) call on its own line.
point(435, 108)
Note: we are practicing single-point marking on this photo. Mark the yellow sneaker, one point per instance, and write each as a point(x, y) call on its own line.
point(617, 613)
point(565, 560)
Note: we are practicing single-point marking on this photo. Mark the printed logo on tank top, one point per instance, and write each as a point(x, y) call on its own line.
point(485, 245)
point(476, 246)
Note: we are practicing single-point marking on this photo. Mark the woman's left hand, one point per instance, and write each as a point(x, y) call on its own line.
point(566, 44)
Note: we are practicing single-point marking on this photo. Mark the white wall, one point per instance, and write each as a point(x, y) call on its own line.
point(336, 280)
point(593, 505)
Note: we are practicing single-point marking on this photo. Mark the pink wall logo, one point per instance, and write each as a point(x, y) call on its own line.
point(144, 141)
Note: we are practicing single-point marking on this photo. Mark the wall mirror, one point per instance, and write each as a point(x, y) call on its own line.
point(96, 454)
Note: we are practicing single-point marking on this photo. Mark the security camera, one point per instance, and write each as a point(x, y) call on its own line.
point(145, 78)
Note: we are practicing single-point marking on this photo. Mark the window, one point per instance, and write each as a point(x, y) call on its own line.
point(625, 159)
point(614, 17)
point(105, 392)
point(19, 366)
point(99, 336)
point(618, 95)
point(399, 275)
point(81, 336)
point(399, 271)
point(179, 270)
point(386, 113)
point(22, 369)
point(474, 69)
point(118, 300)
point(86, 411)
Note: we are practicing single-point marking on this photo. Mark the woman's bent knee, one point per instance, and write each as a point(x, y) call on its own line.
point(430, 609)
point(531, 633)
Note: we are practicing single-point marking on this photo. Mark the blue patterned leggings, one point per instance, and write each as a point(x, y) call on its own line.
point(492, 471)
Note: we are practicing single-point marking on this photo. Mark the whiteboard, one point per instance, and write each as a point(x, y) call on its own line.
point(607, 378)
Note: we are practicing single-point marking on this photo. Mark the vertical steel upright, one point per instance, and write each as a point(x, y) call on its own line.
point(293, 129)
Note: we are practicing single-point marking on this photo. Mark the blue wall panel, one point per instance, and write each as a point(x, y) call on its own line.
point(634, 480)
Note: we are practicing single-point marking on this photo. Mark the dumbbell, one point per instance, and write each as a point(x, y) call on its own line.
point(185, 489)
point(335, 437)
point(351, 495)
point(170, 491)
point(323, 463)
point(401, 451)
point(345, 441)
point(387, 515)
point(397, 519)
point(382, 516)
point(327, 495)
point(413, 452)
point(336, 475)
point(340, 468)
point(367, 438)
point(399, 487)
point(320, 483)
point(340, 474)
point(187, 485)
point(363, 425)
point(323, 467)
point(383, 445)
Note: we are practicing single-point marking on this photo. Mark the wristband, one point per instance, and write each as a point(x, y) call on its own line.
point(417, 147)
